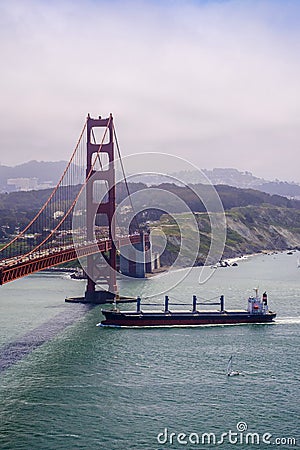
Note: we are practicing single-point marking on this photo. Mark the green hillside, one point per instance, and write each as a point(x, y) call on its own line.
point(250, 229)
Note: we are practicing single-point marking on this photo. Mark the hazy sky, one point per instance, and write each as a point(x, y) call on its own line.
point(216, 82)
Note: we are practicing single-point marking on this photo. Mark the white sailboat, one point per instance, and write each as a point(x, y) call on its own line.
point(230, 371)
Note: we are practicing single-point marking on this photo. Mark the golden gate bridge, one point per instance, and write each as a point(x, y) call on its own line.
point(61, 231)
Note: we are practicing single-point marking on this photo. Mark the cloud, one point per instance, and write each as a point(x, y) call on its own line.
point(215, 82)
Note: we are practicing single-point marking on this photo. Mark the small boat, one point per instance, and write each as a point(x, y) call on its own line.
point(257, 312)
point(230, 371)
point(79, 274)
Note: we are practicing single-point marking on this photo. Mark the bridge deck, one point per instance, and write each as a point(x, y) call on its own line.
point(21, 266)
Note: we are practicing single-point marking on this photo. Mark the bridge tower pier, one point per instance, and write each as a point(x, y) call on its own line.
point(135, 259)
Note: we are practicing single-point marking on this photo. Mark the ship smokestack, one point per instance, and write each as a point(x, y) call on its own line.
point(265, 298)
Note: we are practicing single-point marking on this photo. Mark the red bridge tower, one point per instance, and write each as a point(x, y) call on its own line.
point(107, 206)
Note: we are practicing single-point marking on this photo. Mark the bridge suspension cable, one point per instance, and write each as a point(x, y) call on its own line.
point(50, 227)
point(79, 193)
point(60, 182)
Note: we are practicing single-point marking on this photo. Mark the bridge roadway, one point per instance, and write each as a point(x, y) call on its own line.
point(23, 265)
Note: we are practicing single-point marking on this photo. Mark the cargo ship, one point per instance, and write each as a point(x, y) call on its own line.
point(257, 312)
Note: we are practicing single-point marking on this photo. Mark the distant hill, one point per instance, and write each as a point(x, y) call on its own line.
point(41, 170)
point(229, 177)
point(291, 190)
point(47, 171)
point(245, 180)
point(233, 177)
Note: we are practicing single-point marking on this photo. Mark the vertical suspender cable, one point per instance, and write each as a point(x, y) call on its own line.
point(125, 180)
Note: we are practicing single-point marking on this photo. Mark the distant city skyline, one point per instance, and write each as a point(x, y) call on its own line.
point(215, 82)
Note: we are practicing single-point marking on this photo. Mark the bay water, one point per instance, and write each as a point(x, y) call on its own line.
point(68, 384)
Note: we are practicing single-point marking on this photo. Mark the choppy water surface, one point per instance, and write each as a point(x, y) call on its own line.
point(67, 384)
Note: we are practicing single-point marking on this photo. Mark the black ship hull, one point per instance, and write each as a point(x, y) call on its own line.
point(179, 319)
